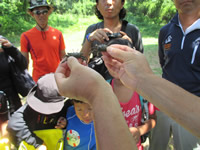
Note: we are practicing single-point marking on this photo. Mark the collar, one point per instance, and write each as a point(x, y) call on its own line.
point(194, 26)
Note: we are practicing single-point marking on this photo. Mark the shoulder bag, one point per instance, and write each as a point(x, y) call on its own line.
point(22, 80)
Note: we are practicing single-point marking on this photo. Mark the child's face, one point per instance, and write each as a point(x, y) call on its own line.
point(83, 112)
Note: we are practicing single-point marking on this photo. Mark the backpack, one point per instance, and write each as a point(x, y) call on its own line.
point(4, 104)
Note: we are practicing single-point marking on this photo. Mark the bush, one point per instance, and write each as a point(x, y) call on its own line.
point(160, 11)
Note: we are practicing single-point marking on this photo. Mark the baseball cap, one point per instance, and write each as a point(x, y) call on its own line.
point(38, 3)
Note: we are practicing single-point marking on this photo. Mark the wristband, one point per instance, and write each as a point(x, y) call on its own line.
point(87, 37)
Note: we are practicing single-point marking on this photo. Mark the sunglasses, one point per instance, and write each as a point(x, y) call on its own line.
point(39, 12)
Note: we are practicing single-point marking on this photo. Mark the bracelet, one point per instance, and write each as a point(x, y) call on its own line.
point(88, 37)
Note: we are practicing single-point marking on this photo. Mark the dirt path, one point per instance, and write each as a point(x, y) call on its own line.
point(73, 41)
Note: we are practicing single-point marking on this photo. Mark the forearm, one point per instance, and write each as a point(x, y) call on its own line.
point(111, 129)
point(180, 105)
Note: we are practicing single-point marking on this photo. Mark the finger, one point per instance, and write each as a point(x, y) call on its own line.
point(111, 61)
point(105, 36)
point(72, 63)
point(123, 33)
point(118, 52)
point(99, 37)
point(62, 69)
point(107, 30)
point(124, 48)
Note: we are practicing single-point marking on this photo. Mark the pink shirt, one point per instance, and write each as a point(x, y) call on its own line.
point(132, 112)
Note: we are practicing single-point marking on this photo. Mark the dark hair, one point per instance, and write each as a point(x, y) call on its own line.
point(120, 41)
point(122, 13)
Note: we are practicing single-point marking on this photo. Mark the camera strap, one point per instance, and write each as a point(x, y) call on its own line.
point(124, 25)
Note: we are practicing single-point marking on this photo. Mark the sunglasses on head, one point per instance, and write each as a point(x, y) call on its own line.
point(39, 12)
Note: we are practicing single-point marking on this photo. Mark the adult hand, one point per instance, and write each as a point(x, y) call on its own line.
point(78, 81)
point(127, 63)
point(100, 35)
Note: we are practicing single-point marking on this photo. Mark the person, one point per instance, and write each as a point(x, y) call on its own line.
point(132, 104)
point(135, 73)
point(44, 109)
point(112, 14)
point(44, 43)
point(6, 86)
point(178, 53)
point(71, 78)
point(80, 128)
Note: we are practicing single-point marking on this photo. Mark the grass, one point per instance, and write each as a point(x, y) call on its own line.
point(151, 53)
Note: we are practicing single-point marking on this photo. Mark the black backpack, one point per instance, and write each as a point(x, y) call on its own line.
point(4, 103)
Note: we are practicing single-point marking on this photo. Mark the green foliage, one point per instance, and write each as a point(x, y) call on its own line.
point(84, 7)
point(62, 21)
point(15, 20)
point(11, 17)
point(160, 11)
point(147, 27)
point(167, 11)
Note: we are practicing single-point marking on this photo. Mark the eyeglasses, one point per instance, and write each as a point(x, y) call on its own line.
point(39, 12)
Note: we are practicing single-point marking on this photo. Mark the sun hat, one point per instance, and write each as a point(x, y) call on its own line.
point(38, 3)
point(44, 96)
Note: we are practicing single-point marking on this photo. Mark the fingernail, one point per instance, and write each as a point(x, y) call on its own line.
point(109, 49)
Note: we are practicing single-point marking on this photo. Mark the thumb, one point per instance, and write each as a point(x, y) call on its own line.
point(72, 63)
point(120, 52)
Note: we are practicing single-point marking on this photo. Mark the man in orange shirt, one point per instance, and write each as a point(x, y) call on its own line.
point(45, 43)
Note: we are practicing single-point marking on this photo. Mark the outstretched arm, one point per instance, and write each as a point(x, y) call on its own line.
point(134, 71)
point(72, 78)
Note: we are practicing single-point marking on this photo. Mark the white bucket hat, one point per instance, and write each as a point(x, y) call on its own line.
point(44, 96)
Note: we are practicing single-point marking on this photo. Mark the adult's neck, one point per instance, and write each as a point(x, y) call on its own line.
point(42, 28)
point(187, 19)
point(113, 24)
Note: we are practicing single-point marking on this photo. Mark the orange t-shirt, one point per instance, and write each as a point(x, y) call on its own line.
point(45, 53)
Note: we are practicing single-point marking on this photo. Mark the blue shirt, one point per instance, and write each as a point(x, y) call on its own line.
point(179, 53)
point(79, 135)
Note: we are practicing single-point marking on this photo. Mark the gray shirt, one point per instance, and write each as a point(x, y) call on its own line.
point(131, 30)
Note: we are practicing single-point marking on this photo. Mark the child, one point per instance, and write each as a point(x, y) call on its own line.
point(42, 111)
point(80, 132)
point(131, 105)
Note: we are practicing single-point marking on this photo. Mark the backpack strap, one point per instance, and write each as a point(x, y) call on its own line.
point(109, 81)
point(124, 25)
point(145, 109)
point(5, 103)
